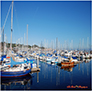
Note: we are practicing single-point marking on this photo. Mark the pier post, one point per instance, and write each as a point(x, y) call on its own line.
point(37, 63)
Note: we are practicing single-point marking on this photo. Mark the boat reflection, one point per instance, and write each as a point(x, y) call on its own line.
point(21, 80)
point(87, 60)
point(68, 68)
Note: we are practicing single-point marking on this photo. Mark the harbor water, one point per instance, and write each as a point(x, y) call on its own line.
point(52, 77)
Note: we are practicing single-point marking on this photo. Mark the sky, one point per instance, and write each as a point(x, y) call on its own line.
point(69, 21)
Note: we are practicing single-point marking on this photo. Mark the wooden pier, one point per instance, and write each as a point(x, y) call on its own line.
point(35, 69)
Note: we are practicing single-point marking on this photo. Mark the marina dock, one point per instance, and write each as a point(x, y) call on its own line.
point(46, 47)
point(35, 69)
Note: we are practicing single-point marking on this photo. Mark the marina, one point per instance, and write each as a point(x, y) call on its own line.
point(47, 65)
point(55, 76)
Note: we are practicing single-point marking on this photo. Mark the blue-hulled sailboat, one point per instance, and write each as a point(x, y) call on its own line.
point(16, 69)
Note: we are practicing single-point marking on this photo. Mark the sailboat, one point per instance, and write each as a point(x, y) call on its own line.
point(19, 69)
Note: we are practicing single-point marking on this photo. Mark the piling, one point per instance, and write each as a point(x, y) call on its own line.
point(37, 63)
point(35, 69)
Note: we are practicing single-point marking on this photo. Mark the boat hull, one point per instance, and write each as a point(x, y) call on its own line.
point(67, 66)
point(15, 74)
point(67, 63)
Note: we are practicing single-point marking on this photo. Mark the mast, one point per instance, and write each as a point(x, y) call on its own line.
point(56, 44)
point(27, 38)
point(11, 25)
point(87, 43)
point(65, 44)
point(52, 45)
point(45, 46)
point(41, 46)
point(19, 43)
point(3, 42)
point(24, 41)
point(80, 44)
point(0, 42)
point(61, 47)
point(72, 44)
point(83, 43)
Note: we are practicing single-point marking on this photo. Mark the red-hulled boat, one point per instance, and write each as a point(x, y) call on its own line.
point(67, 63)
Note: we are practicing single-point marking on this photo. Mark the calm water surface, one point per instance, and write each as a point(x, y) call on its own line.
point(52, 77)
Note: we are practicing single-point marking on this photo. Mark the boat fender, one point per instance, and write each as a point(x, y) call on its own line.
point(70, 60)
point(9, 66)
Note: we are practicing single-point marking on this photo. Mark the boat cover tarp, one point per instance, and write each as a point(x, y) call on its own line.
point(4, 56)
point(42, 54)
point(54, 52)
point(74, 57)
point(29, 60)
point(37, 54)
point(55, 57)
point(20, 56)
point(65, 57)
point(17, 55)
point(49, 55)
point(15, 63)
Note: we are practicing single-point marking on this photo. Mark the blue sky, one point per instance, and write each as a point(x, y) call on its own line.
point(66, 20)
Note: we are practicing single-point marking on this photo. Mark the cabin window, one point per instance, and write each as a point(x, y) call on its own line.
point(4, 62)
point(25, 67)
